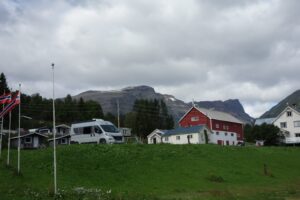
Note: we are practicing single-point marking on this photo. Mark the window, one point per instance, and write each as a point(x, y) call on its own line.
point(97, 129)
point(166, 139)
point(87, 130)
point(225, 127)
point(110, 128)
point(296, 123)
point(297, 134)
point(194, 119)
point(217, 126)
point(282, 124)
point(28, 140)
point(289, 113)
point(232, 134)
point(217, 133)
point(178, 137)
point(225, 134)
point(190, 136)
point(63, 140)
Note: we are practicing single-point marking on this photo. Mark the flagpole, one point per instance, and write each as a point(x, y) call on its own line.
point(19, 131)
point(2, 121)
point(8, 142)
point(54, 134)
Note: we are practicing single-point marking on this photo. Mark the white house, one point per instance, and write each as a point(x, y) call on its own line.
point(29, 140)
point(156, 136)
point(289, 123)
point(189, 135)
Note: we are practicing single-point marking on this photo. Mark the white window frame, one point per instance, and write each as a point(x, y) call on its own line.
point(177, 137)
point(195, 119)
point(289, 113)
point(296, 123)
point(297, 134)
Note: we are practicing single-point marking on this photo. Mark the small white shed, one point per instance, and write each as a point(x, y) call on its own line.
point(155, 137)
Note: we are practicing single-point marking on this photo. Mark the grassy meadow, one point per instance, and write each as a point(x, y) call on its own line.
point(168, 172)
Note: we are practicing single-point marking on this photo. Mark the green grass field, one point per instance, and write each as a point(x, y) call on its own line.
point(155, 172)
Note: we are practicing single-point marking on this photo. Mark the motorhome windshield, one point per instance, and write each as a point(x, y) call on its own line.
point(109, 128)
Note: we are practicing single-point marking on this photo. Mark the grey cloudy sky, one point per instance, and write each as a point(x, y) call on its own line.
point(193, 49)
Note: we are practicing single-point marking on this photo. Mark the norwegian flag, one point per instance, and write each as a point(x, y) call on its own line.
point(16, 101)
point(18, 98)
point(5, 98)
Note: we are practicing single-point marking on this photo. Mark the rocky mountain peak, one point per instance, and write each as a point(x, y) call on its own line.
point(141, 88)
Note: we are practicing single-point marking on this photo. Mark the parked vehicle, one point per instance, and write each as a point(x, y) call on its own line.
point(95, 131)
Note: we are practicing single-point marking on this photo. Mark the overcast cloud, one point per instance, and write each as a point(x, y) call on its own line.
point(193, 49)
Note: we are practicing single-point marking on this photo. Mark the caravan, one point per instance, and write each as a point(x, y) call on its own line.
point(95, 131)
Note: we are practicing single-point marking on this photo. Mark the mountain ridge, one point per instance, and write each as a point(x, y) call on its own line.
point(177, 108)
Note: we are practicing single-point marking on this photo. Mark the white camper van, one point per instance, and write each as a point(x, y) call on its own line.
point(95, 131)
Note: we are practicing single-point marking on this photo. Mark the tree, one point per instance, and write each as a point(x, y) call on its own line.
point(3, 84)
point(248, 131)
point(148, 115)
point(267, 132)
point(110, 117)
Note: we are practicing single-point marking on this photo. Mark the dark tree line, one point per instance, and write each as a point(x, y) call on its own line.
point(146, 115)
point(67, 110)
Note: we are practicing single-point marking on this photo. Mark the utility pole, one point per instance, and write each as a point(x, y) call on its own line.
point(54, 134)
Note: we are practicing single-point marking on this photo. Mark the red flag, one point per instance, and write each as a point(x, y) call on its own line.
point(5, 98)
point(11, 105)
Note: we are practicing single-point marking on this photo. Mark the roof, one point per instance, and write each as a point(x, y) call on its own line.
point(157, 131)
point(217, 115)
point(264, 120)
point(183, 130)
point(286, 109)
point(57, 138)
point(28, 134)
point(62, 126)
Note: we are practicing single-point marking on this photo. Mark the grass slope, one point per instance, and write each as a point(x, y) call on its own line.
point(155, 172)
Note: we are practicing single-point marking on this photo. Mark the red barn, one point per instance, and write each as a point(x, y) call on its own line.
point(226, 128)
